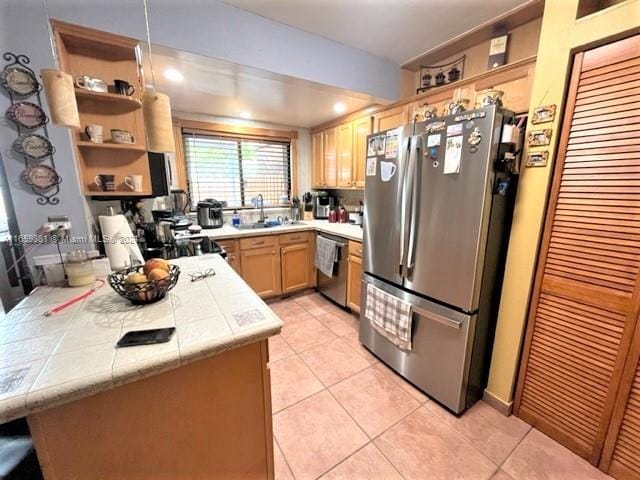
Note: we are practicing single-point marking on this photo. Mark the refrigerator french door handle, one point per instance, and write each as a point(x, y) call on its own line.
point(406, 148)
point(447, 322)
point(415, 202)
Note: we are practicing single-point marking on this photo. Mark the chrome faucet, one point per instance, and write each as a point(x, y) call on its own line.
point(262, 217)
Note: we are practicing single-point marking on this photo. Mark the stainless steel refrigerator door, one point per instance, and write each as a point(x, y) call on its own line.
point(381, 225)
point(439, 360)
point(450, 227)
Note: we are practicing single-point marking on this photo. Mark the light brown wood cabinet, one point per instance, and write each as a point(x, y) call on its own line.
point(345, 154)
point(361, 128)
point(317, 160)
point(391, 118)
point(294, 261)
point(338, 155)
point(330, 157)
point(276, 264)
point(354, 274)
point(232, 247)
point(261, 270)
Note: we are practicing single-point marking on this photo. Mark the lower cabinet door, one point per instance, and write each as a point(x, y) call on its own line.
point(296, 267)
point(261, 270)
point(354, 283)
point(234, 262)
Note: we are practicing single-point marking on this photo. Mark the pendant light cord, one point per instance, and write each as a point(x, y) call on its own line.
point(52, 41)
point(146, 21)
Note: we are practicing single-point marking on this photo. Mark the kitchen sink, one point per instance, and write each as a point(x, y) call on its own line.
point(258, 225)
point(251, 226)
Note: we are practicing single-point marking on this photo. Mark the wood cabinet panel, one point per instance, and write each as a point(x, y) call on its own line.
point(355, 248)
point(330, 157)
point(354, 284)
point(585, 301)
point(345, 154)
point(258, 242)
point(317, 160)
point(296, 271)
point(261, 270)
point(297, 237)
point(232, 247)
point(361, 128)
point(391, 118)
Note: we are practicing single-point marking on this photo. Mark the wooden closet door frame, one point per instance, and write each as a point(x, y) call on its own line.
point(596, 454)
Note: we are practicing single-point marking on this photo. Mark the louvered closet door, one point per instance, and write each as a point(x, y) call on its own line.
point(582, 314)
point(625, 437)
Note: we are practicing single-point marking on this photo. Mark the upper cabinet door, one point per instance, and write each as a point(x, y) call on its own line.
point(317, 160)
point(345, 155)
point(392, 118)
point(330, 150)
point(361, 128)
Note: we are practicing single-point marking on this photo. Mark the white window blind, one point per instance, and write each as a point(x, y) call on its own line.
point(236, 169)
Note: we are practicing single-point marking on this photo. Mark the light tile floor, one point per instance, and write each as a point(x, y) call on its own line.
point(339, 413)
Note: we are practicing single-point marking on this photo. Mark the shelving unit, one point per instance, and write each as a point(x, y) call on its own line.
point(116, 98)
point(125, 147)
point(84, 51)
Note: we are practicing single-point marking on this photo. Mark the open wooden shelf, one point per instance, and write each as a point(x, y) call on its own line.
point(126, 147)
point(123, 100)
point(84, 51)
point(117, 193)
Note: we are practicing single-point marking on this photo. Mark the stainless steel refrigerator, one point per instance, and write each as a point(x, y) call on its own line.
point(437, 205)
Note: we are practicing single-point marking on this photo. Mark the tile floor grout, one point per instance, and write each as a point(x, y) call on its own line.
point(460, 432)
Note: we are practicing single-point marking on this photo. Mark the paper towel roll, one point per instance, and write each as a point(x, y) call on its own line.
point(119, 241)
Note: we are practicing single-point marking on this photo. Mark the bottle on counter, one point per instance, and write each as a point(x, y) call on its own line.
point(79, 269)
point(235, 218)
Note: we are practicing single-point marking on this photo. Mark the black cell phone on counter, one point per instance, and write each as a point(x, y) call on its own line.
point(146, 337)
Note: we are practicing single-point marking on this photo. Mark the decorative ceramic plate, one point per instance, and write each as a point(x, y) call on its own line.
point(19, 81)
point(40, 176)
point(27, 115)
point(33, 146)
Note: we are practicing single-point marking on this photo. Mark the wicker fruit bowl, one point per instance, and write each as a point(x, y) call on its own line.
point(142, 285)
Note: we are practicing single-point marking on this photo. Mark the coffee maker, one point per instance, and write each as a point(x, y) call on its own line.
point(322, 205)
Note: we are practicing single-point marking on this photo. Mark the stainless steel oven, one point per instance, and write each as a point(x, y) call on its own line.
point(335, 288)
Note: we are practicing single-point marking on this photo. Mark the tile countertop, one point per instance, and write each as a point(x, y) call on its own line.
point(346, 230)
point(47, 361)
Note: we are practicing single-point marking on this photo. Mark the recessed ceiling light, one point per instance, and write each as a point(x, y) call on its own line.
point(245, 114)
point(173, 75)
point(339, 107)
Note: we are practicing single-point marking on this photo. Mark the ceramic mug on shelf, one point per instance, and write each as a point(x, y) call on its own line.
point(94, 132)
point(134, 182)
point(123, 87)
point(106, 182)
point(121, 136)
point(92, 84)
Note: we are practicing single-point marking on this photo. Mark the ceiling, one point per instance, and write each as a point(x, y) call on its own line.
point(220, 88)
point(398, 30)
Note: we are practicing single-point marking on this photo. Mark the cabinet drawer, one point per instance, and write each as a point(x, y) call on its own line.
point(258, 242)
point(229, 245)
point(297, 237)
point(355, 248)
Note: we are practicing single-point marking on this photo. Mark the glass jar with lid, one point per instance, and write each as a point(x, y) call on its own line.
point(79, 269)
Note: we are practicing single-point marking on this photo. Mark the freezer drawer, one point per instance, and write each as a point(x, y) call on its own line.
point(442, 338)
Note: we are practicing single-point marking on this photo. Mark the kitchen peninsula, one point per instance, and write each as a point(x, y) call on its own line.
point(198, 406)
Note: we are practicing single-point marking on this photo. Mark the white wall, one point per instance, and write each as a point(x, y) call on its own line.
point(215, 29)
point(22, 31)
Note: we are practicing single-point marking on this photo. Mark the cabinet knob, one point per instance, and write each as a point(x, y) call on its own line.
point(273, 252)
point(284, 251)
